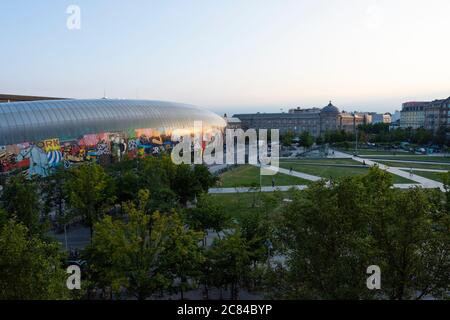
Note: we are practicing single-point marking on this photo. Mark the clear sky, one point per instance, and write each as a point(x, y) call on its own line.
point(230, 55)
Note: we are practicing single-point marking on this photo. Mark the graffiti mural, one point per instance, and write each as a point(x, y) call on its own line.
point(42, 157)
point(53, 149)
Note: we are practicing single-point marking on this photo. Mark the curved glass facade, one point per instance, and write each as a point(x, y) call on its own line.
point(70, 119)
point(38, 136)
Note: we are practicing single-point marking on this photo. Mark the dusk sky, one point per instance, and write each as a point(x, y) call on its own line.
point(231, 56)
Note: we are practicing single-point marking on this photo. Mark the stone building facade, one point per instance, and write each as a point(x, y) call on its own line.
point(316, 121)
point(429, 115)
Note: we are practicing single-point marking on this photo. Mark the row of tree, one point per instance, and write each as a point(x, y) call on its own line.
point(374, 133)
point(380, 132)
point(147, 242)
point(331, 233)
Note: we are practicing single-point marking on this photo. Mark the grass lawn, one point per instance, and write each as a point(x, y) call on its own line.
point(416, 165)
point(322, 161)
point(239, 204)
point(436, 176)
point(248, 175)
point(336, 172)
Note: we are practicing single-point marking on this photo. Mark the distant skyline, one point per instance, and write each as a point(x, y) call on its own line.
point(231, 56)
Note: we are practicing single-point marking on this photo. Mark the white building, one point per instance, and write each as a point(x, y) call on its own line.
point(381, 118)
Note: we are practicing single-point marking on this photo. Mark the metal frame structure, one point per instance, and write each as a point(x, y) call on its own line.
point(70, 119)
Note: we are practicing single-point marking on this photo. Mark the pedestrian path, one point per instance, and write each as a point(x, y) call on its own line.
point(250, 190)
point(293, 173)
point(420, 181)
point(408, 161)
point(424, 182)
point(406, 185)
point(285, 188)
point(420, 169)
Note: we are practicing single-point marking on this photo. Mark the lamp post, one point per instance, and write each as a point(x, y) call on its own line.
point(356, 133)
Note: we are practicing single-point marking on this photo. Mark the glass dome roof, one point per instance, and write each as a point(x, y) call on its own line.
point(71, 119)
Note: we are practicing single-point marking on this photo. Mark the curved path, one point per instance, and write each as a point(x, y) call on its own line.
point(421, 181)
point(247, 190)
point(408, 161)
point(424, 182)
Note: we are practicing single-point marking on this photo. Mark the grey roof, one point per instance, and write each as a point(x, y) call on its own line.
point(439, 101)
point(70, 119)
point(252, 116)
point(330, 108)
point(17, 98)
point(232, 120)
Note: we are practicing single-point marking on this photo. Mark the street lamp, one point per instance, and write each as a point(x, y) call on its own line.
point(356, 140)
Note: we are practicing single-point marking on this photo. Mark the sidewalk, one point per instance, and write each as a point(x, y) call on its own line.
point(249, 190)
point(407, 161)
point(420, 169)
point(424, 182)
point(293, 173)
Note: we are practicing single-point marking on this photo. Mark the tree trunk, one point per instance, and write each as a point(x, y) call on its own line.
point(91, 230)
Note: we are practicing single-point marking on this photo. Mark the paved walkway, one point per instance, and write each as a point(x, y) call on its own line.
point(420, 181)
point(364, 166)
point(297, 174)
point(247, 190)
point(408, 161)
point(326, 164)
point(217, 167)
point(424, 182)
point(285, 188)
point(420, 169)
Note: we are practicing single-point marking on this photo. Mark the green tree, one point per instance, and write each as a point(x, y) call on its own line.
point(129, 184)
point(208, 215)
point(55, 196)
point(128, 254)
point(319, 140)
point(412, 244)
point(91, 192)
point(146, 254)
point(204, 179)
point(230, 263)
point(255, 228)
point(156, 173)
point(306, 140)
point(287, 138)
point(333, 232)
point(20, 199)
point(326, 242)
point(422, 136)
point(31, 269)
point(182, 254)
point(440, 137)
point(189, 182)
point(184, 183)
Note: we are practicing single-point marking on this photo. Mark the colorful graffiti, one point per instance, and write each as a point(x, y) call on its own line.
point(41, 157)
point(51, 145)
